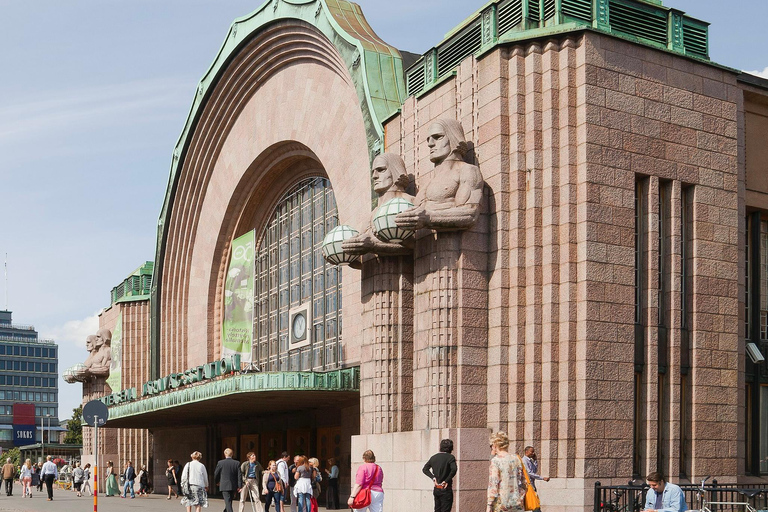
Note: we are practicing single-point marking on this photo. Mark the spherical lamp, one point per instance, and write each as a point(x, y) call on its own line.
point(332, 250)
point(384, 225)
point(73, 373)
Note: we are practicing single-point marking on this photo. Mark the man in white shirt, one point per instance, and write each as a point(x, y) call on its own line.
point(48, 474)
point(282, 470)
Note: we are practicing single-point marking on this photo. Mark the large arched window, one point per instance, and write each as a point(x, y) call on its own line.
point(293, 279)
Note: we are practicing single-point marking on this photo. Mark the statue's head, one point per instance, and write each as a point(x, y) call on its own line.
point(446, 137)
point(388, 172)
point(103, 337)
point(90, 342)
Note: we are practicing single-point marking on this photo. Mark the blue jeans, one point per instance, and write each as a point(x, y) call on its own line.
point(128, 484)
point(278, 501)
point(304, 503)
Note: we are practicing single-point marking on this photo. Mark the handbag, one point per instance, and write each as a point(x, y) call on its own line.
point(363, 496)
point(531, 499)
point(278, 485)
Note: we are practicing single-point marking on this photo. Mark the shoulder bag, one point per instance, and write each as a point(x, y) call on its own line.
point(363, 497)
point(531, 499)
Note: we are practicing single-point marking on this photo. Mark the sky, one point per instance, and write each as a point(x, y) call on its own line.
point(93, 96)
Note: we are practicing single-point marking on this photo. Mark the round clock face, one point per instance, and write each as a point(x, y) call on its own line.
point(299, 326)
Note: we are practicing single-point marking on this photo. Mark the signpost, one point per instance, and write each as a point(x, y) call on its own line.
point(95, 413)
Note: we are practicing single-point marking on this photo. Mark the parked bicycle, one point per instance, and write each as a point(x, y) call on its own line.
point(704, 504)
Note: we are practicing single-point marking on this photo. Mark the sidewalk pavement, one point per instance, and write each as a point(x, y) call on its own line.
point(67, 501)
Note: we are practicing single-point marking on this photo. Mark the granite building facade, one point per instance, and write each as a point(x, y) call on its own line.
point(600, 308)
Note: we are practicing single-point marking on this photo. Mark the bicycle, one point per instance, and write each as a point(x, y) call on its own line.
point(704, 504)
point(613, 505)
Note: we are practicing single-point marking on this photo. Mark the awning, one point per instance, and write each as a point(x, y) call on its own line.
point(238, 397)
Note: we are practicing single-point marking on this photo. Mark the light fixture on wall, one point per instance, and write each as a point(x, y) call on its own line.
point(332, 250)
point(384, 221)
point(754, 353)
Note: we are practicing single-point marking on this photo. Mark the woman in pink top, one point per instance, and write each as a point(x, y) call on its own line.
point(369, 474)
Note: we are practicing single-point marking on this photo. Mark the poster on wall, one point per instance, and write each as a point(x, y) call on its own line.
point(237, 327)
point(114, 381)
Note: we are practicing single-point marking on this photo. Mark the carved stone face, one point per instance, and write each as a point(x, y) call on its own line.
point(439, 145)
point(382, 178)
point(89, 342)
point(103, 336)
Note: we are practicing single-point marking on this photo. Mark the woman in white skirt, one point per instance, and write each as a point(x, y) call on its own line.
point(369, 475)
point(305, 475)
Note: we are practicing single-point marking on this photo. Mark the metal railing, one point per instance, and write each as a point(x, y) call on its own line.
point(20, 327)
point(631, 497)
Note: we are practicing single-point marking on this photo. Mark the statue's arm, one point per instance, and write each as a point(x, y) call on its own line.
point(368, 242)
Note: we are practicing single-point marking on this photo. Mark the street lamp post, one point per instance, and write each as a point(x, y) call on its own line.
point(42, 439)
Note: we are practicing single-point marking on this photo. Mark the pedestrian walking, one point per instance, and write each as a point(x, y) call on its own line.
point(25, 477)
point(289, 496)
point(49, 473)
point(194, 483)
point(130, 477)
point(441, 468)
point(143, 479)
point(173, 477)
point(229, 477)
point(78, 475)
point(368, 493)
point(111, 488)
point(332, 492)
point(302, 491)
point(272, 487)
point(532, 466)
point(506, 484)
point(9, 473)
point(177, 466)
point(38, 468)
point(87, 480)
point(282, 470)
point(251, 472)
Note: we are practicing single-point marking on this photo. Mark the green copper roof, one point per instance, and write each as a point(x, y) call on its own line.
point(136, 286)
point(646, 22)
point(213, 395)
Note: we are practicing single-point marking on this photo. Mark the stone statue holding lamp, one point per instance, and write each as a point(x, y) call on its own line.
point(451, 199)
point(390, 182)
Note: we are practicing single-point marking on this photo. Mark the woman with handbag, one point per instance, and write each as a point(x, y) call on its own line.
point(271, 486)
point(194, 483)
point(368, 494)
point(506, 484)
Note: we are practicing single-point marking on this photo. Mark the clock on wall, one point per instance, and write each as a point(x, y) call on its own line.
point(299, 326)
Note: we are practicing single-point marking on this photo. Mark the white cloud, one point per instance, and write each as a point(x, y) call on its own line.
point(761, 74)
point(73, 332)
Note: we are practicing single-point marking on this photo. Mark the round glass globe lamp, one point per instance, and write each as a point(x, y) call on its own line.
point(384, 225)
point(332, 250)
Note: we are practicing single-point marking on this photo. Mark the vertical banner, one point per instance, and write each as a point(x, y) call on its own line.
point(114, 381)
point(237, 327)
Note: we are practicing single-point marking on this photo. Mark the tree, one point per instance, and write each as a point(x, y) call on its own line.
point(14, 454)
point(75, 427)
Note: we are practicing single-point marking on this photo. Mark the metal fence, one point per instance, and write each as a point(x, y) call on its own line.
point(631, 497)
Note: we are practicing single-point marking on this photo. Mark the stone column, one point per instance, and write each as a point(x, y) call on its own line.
point(386, 364)
point(450, 331)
